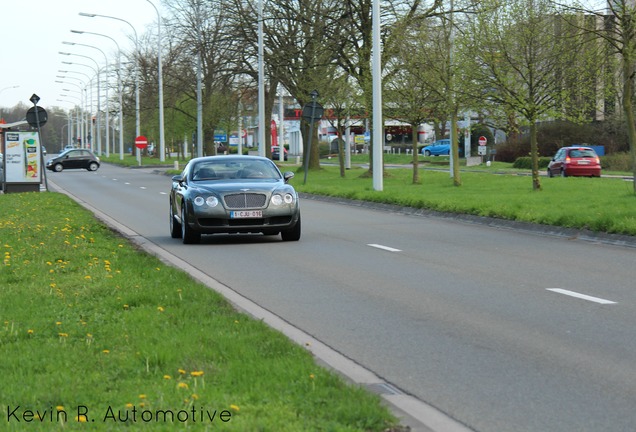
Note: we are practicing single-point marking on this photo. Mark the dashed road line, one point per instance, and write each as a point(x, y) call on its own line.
point(581, 296)
point(386, 248)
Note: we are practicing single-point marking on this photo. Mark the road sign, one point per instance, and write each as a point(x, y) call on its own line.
point(483, 140)
point(141, 142)
point(36, 116)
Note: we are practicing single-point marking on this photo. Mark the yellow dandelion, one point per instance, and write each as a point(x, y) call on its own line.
point(49, 263)
point(182, 385)
point(196, 373)
point(106, 351)
point(312, 376)
point(167, 377)
point(29, 331)
point(160, 309)
point(142, 396)
point(129, 405)
point(60, 407)
point(182, 371)
point(81, 418)
point(58, 322)
point(235, 408)
point(157, 268)
point(126, 306)
point(63, 334)
point(87, 277)
point(195, 396)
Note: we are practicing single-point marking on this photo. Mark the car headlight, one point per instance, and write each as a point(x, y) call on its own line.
point(279, 199)
point(211, 201)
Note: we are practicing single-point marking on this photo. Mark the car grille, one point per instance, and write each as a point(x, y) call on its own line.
point(245, 200)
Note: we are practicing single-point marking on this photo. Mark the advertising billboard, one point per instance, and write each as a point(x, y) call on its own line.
point(22, 158)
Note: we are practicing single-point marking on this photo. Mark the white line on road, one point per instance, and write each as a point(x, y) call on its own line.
point(386, 248)
point(142, 187)
point(581, 296)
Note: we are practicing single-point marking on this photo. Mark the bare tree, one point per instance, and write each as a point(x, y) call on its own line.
point(520, 54)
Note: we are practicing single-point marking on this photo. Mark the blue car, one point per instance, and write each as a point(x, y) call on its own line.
point(438, 148)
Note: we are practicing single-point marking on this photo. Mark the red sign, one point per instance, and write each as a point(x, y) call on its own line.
point(141, 142)
point(483, 140)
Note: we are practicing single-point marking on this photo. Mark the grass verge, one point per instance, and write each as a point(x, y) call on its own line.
point(602, 205)
point(92, 330)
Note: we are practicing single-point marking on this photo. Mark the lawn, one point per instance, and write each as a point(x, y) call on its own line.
point(93, 330)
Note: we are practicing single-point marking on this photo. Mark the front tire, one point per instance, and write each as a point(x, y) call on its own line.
point(427, 152)
point(550, 174)
point(188, 234)
point(292, 234)
point(175, 227)
point(93, 166)
point(58, 167)
point(563, 173)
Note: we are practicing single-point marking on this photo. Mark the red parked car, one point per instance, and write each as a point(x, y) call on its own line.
point(575, 161)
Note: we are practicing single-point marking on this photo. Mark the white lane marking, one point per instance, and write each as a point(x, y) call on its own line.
point(581, 296)
point(142, 187)
point(163, 193)
point(127, 183)
point(386, 248)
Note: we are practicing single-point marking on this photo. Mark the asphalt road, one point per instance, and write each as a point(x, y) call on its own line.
point(499, 329)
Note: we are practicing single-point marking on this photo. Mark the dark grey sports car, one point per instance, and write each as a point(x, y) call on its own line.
point(233, 194)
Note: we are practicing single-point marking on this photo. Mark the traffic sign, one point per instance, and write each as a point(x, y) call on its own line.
point(483, 140)
point(141, 142)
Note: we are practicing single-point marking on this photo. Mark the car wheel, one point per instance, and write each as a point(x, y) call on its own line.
point(292, 234)
point(563, 173)
point(58, 167)
point(93, 166)
point(175, 227)
point(427, 152)
point(188, 234)
point(550, 173)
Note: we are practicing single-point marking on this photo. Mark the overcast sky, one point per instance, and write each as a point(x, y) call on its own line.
point(32, 33)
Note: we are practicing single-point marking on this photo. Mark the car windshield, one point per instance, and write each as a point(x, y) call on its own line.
point(234, 169)
point(582, 153)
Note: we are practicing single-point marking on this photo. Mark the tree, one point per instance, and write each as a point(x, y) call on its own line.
point(523, 55)
point(618, 30)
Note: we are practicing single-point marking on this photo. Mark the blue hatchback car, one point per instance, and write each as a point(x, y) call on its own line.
point(438, 148)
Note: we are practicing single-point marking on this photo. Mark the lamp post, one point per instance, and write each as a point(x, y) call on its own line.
point(7, 88)
point(89, 106)
point(119, 90)
point(261, 83)
point(162, 141)
point(99, 140)
point(137, 118)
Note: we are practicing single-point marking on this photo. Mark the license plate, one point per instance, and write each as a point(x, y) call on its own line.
point(246, 214)
point(584, 162)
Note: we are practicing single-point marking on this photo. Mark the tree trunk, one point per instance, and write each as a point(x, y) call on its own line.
point(534, 154)
point(416, 173)
point(628, 109)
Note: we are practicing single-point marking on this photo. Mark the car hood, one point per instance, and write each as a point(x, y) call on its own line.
point(238, 186)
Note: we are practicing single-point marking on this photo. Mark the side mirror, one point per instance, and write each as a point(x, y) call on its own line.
point(288, 176)
point(178, 178)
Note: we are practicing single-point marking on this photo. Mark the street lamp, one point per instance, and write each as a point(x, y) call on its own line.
point(90, 80)
point(99, 140)
point(119, 90)
point(162, 141)
point(96, 70)
point(137, 117)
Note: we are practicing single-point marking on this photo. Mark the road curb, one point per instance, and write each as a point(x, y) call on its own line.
point(414, 414)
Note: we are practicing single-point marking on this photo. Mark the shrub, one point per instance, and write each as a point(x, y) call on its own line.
point(525, 162)
point(617, 162)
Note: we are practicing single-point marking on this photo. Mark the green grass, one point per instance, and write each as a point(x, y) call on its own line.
point(604, 205)
point(89, 325)
point(499, 191)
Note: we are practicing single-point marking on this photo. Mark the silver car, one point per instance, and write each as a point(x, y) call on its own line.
point(233, 194)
